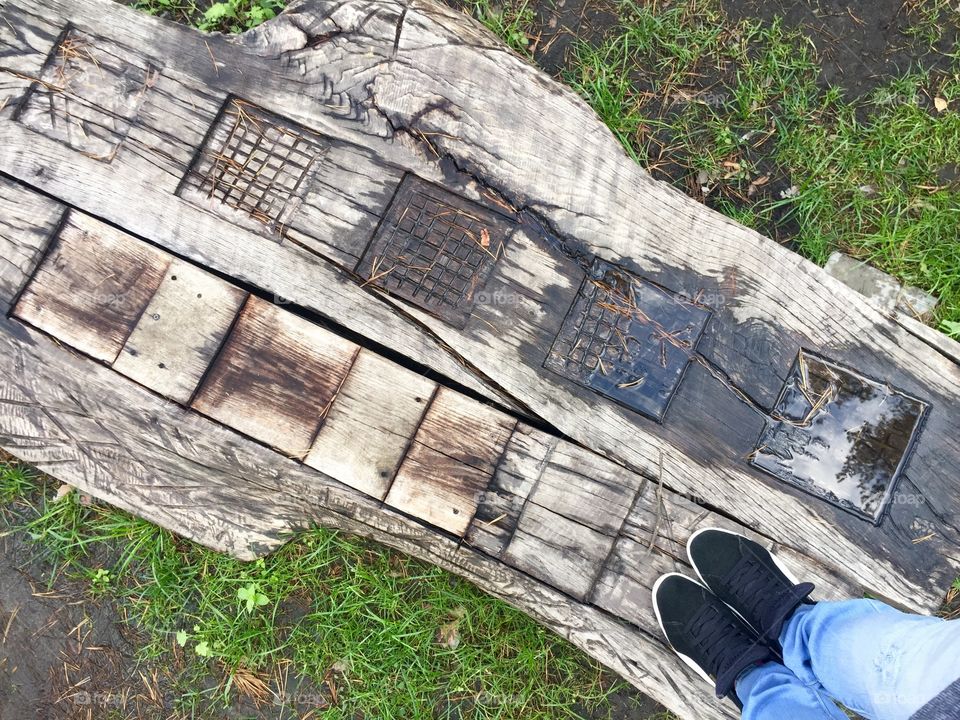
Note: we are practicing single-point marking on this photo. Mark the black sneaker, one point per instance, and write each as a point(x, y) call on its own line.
point(705, 633)
point(748, 578)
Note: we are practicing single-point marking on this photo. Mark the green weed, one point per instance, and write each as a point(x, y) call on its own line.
point(232, 16)
point(874, 177)
point(511, 21)
point(376, 634)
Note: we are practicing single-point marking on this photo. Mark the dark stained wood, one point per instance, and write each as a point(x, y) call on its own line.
point(392, 91)
point(276, 377)
point(435, 250)
point(180, 331)
point(92, 287)
point(502, 502)
point(451, 461)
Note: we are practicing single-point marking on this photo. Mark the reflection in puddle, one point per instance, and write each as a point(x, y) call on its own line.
point(840, 436)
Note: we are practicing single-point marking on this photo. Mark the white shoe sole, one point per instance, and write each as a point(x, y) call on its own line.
point(656, 611)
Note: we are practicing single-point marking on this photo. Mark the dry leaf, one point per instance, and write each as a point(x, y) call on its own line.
point(485, 238)
point(449, 635)
point(940, 104)
point(62, 492)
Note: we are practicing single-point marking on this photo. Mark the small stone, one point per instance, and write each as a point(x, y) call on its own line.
point(881, 289)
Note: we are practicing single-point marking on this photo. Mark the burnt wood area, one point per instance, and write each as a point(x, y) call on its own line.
point(363, 267)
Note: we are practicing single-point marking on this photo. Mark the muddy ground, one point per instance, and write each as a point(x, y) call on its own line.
point(64, 654)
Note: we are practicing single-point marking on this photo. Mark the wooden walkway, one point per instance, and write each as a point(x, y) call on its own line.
point(365, 268)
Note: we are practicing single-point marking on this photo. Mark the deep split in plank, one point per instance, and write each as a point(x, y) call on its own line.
point(319, 273)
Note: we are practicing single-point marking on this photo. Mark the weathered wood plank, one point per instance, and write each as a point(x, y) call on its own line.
point(80, 437)
point(450, 462)
point(365, 84)
point(92, 287)
point(502, 502)
point(335, 86)
point(172, 466)
point(370, 424)
point(344, 203)
point(290, 272)
point(24, 47)
point(88, 94)
point(276, 377)
point(586, 488)
point(557, 550)
point(27, 223)
point(180, 331)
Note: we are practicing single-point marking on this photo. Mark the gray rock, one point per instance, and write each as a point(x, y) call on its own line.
point(881, 289)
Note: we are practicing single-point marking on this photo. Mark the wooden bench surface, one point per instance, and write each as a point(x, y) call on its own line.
point(364, 267)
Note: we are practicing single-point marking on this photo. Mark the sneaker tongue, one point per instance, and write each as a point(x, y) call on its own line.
point(776, 612)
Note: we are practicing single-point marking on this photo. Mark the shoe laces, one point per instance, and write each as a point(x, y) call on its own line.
point(725, 645)
point(766, 600)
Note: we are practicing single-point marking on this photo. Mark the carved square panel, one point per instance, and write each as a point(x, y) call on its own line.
point(435, 249)
point(627, 339)
point(88, 95)
point(254, 168)
point(840, 436)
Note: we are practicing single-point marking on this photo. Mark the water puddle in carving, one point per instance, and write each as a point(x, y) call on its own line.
point(840, 436)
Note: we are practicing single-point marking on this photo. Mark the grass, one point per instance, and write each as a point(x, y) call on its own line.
point(691, 95)
point(230, 16)
point(511, 22)
point(695, 97)
point(373, 633)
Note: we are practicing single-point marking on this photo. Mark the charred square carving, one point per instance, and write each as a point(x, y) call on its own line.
point(88, 94)
point(840, 436)
point(435, 249)
point(254, 168)
point(627, 339)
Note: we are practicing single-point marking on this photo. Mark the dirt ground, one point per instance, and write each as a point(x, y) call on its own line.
point(860, 45)
point(66, 655)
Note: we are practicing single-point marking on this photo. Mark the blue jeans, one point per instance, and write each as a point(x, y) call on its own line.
point(879, 662)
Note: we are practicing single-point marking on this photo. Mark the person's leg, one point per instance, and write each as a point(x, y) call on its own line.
point(772, 692)
point(877, 661)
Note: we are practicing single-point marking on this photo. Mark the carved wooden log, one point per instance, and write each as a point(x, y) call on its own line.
point(364, 267)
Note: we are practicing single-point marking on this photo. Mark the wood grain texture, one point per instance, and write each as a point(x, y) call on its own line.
point(403, 85)
point(27, 224)
point(450, 462)
point(92, 287)
point(158, 150)
point(757, 328)
point(137, 449)
point(276, 377)
point(88, 94)
point(557, 550)
point(180, 331)
point(502, 502)
point(172, 466)
point(370, 424)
